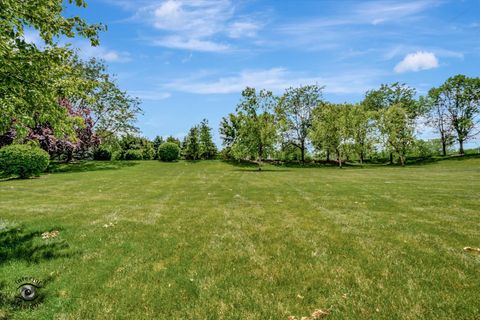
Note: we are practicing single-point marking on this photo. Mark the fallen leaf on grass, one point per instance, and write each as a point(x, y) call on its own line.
point(472, 249)
point(317, 314)
point(111, 224)
point(51, 234)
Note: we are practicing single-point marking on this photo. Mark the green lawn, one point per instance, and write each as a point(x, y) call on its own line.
point(208, 240)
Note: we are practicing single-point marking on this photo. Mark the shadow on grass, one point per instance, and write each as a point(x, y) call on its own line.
point(83, 166)
point(250, 166)
point(435, 159)
point(260, 171)
point(19, 244)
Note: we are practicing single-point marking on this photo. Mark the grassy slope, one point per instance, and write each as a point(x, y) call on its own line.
point(212, 241)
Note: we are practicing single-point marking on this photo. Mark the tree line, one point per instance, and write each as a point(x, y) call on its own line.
point(74, 109)
point(266, 126)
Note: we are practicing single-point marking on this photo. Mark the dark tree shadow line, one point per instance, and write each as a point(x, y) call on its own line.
point(18, 244)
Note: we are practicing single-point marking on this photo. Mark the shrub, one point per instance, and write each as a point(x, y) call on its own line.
point(23, 161)
point(168, 151)
point(102, 153)
point(118, 155)
point(148, 152)
point(133, 155)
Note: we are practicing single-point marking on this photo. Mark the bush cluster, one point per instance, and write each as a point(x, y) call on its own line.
point(133, 155)
point(168, 151)
point(102, 153)
point(23, 161)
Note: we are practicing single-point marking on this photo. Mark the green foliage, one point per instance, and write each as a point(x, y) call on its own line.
point(157, 141)
point(115, 112)
point(172, 139)
point(191, 145)
point(208, 150)
point(257, 132)
point(32, 80)
point(229, 127)
point(360, 130)
point(226, 154)
point(389, 95)
point(398, 130)
point(294, 114)
point(46, 17)
point(330, 129)
point(133, 155)
point(23, 160)
point(148, 152)
point(118, 155)
point(169, 151)
point(456, 107)
point(425, 148)
point(102, 153)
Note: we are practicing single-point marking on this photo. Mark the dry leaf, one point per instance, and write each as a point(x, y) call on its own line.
point(52, 234)
point(319, 313)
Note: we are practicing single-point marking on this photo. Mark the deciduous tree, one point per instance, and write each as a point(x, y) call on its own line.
point(256, 125)
point(294, 114)
point(459, 96)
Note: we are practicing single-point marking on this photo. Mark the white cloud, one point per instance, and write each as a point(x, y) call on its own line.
point(276, 80)
point(87, 51)
point(420, 60)
point(196, 25)
point(378, 12)
point(191, 44)
point(240, 29)
point(198, 18)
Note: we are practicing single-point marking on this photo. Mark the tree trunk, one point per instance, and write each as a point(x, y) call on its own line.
point(303, 152)
point(462, 152)
point(260, 153)
point(328, 155)
point(361, 157)
point(391, 157)
point(339, 159)
point(402, 160)
point(444, 147)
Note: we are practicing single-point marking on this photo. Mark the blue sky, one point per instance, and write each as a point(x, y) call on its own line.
point(190, 59)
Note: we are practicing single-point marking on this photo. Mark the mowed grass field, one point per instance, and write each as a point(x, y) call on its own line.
point(209, 240)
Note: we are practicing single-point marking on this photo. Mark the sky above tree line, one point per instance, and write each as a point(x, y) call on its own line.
point(190, 59)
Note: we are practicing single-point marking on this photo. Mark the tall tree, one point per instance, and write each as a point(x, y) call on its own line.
point(360, 129)
point(398, 129)
point(438, 117)
point(79, 146)
point(157, 142)
point(294, 113)
point(460, 97)
point(33, 80)
point(257, 130)
point(389, 95)
point(172, 139)
point(229, 129)
point(330, 129)
point(208, 150)
point(113, 110)
point(191, 148)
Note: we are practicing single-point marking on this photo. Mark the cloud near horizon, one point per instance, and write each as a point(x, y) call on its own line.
point(274, 79)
